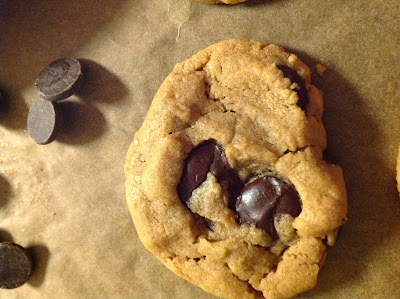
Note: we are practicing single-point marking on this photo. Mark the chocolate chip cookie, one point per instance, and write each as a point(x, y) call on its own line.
point(225, 180)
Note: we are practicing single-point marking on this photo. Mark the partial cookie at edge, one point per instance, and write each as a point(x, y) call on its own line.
point(398, 170)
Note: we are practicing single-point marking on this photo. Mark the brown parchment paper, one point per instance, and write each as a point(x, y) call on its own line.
point(65, 201)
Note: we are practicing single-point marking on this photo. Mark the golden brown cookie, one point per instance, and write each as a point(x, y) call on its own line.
point(398, 170)
point(225, 180)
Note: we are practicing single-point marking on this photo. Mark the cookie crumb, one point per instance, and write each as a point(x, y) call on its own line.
point(320, 69)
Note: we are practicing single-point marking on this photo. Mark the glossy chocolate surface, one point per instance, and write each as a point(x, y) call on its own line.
point(208, 156)
point(264, 198)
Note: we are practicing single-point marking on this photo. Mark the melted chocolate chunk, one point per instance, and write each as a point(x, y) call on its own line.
point(295, 78)
point(208, 156)
point(195, 170)
point(265, 197)
point(257, 203)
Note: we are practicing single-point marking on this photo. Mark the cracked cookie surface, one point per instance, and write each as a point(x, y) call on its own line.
point(256, 105)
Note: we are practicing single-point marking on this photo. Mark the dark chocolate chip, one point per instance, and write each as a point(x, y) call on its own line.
point(225, 175)
point(264, 198)
point(15, 265)
point(195, 169)
point(295, 78)
point(44, 121)
point(208, 156)
point(60, 79)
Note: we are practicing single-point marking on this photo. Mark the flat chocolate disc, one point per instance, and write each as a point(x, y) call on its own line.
point(15, 265)
point(60, 79)
point(44, 121)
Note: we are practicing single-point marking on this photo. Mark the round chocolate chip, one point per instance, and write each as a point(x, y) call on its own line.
point(60, 79)
point(208, 156)
point(265, 197)
point(44, 121)
point(15, 265)
point(295, 78)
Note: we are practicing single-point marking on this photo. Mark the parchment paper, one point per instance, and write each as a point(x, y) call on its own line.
point(65, 201)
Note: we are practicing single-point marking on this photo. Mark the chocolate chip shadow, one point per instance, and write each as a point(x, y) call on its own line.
point(5, 236)
point(353, 136)
point(5, 191)
point(13, 110)
point(100, 85)
point(83, 122)
point(260, 2)
point(40, 255)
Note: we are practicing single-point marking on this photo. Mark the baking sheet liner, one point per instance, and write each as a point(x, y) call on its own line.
point(65, 201)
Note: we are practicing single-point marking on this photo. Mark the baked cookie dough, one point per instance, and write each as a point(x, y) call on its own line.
point(225, 180)
point(398, 170)
point(221, 1)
